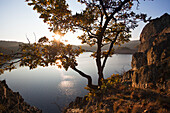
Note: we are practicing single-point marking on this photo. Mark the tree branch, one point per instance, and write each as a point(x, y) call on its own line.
point(110, 48)
point(90, 34)
point(7, 63)
point(87, 77)
point(103, 7)
point(112, 16)
point(118, 8)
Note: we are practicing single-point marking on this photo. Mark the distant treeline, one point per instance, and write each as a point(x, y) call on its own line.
point(127, 48)
point(7, 47)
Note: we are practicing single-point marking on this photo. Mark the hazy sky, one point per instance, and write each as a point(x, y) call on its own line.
point(17, 19)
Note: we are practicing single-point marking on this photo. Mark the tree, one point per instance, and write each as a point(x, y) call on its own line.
point(103, 22)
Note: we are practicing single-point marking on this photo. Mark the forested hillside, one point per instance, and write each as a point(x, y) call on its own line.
point(7, 47)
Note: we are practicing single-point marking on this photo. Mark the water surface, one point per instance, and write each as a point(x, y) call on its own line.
point(51, 88)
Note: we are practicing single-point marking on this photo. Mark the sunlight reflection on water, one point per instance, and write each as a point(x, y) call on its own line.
point(67, 87)
point(66, 84)
point(42, 86)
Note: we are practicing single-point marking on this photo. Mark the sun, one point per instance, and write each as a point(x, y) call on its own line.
point(57, 37)
point(68, 38)
point(71, 38)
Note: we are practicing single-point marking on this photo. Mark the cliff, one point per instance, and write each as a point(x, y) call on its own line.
point(151, 64)
point(12, 102)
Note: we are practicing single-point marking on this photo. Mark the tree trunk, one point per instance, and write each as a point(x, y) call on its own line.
point(98, 61)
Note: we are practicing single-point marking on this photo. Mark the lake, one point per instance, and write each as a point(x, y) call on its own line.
point(51, 88)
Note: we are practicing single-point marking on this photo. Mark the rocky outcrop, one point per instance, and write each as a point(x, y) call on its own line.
point(12, 102)
point(121, 98)
point(151, 64)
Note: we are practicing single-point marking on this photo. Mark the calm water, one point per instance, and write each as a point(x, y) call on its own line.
point(51, 88)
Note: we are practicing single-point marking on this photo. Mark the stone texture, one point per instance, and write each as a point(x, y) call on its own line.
point(155, 27)
point(12, 102)
point(151, 64)
point(139, 60)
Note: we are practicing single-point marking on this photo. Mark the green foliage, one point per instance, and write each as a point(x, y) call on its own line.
point(107, 85)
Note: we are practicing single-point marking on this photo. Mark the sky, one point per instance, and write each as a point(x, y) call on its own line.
point(18, 20)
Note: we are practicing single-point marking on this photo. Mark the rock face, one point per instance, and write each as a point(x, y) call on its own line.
point(12, 102)
point(151, 64)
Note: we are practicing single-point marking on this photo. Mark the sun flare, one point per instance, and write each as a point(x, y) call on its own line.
point(68, 38)
point(58, 62)
point(57, 37)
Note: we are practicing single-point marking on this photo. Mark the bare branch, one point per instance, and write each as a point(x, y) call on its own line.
point(34, 36)
point(27, 39)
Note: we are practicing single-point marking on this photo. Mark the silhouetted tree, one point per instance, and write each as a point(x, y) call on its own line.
point(103, 22)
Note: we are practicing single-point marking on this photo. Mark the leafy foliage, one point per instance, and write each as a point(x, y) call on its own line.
point(44, 53)
point(103, 22)
point(100, 19)
point(106, 86)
